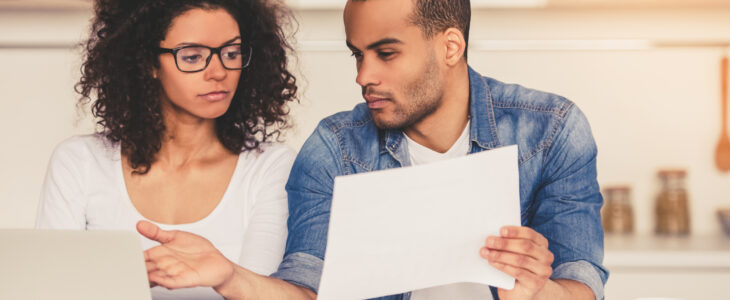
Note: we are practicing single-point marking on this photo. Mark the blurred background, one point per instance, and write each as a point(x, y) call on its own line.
point(647, 73)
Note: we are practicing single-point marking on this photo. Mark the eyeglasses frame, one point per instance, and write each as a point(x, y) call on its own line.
point(213, 51)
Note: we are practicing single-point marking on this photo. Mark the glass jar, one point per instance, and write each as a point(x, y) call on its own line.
point(618, 216)
point(672, 208)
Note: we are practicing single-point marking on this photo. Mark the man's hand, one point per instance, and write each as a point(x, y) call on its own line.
point(183, 259)
point(523, 254)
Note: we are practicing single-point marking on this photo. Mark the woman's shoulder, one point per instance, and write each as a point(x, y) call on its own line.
point(269, 150)
point(269, 156)
point(85, 147)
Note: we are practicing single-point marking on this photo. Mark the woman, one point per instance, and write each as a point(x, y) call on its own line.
point(189, 95)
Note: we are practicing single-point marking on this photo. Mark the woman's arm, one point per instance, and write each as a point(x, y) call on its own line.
point(61, 204)
point(265, 237)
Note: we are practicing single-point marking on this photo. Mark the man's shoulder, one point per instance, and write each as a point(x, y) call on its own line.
point(531, 118)
point(356, 122)
point(344, 132)
point(515, 98)
point(358, 117)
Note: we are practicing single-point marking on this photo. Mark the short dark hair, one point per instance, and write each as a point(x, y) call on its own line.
point(435, 16)
point(122, 51)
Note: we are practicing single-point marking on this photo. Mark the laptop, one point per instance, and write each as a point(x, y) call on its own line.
point(66, 264)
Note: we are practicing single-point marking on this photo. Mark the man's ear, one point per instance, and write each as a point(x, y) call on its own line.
point(455, 46)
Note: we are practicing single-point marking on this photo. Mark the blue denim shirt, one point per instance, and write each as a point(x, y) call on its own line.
point(559, 194)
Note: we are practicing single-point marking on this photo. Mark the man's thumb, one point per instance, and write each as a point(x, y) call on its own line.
point(153, 232)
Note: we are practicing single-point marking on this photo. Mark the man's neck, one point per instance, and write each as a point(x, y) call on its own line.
point(440, 130)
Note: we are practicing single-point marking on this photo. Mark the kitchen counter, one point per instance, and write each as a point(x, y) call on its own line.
point(634, 251)
point(647, 266)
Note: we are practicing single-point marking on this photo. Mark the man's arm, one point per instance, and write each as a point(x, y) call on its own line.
point(523, 254)
point(309, 190)
point(568, 205)
point(187, 260)
point(565, 289)
point(255, 286)
point(561, 252)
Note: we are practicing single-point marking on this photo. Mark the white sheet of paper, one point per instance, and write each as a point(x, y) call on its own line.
point(399, 230)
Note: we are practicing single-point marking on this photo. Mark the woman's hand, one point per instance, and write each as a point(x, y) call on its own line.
point(183, 259)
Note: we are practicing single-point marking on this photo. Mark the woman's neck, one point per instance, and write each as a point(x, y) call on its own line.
point(187, 139)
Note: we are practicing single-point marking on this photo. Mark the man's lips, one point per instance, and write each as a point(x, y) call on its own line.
point(215, 96)
point(375, 102)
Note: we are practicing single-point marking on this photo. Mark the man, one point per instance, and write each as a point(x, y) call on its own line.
point(424, 103)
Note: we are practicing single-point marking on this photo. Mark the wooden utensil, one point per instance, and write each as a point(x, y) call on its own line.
point(722, 152)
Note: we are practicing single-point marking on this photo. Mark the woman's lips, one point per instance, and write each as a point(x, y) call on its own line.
point(215, 96)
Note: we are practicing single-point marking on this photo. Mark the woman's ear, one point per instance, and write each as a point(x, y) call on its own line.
point(455, 46)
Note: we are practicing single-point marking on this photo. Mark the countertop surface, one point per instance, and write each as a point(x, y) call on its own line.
point(642, 251)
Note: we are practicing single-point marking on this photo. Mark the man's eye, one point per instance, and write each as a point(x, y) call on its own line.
point(385, 54)
point(356, 55)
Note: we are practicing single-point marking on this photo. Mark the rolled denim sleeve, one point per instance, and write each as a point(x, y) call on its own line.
point(301, 269)
point(309, 190)
point(583, 272)
point(568, 204)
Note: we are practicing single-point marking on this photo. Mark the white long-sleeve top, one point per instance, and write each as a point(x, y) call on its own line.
point(84, 189)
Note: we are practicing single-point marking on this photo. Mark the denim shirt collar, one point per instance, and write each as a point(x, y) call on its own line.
point(482, 131)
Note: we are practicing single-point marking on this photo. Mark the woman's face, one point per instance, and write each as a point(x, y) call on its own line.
point(205, 94)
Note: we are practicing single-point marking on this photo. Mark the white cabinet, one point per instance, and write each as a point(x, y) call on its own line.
point(687, 268)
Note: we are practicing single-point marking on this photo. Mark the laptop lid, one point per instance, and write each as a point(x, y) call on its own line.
point(66, 264)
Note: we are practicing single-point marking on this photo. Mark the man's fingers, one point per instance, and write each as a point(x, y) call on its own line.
point(519, 261)
point(523, 277)
point(155, 253)
point(153, 232)
point(160, 278)
point(521, 246)
point(151, 266)
point(176, 269)
point(166, 280)
point(164, 262)
point(521, 232)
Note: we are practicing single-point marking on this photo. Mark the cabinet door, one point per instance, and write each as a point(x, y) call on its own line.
point(669, 283)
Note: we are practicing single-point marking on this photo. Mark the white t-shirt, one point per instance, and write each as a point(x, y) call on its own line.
point(419, 155)
point(84, 189)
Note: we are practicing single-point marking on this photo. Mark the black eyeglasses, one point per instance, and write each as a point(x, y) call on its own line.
point(195, 58)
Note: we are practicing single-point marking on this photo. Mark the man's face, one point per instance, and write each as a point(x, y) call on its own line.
point(397, 67)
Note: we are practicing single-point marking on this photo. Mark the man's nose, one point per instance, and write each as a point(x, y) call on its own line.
point(367, 73)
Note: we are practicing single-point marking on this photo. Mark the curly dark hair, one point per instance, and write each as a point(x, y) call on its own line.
point(122, 50)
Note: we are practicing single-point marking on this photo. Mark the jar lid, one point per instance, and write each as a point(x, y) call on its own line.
point(617, 188)
point(672, 173)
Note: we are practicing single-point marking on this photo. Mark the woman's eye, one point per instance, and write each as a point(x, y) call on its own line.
point(356, 55)
point(232, 55)
point(191, 58)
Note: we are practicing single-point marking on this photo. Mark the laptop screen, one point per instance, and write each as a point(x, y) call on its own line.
point(66, 264)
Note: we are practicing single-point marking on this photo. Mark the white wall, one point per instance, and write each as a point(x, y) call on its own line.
point(649, 109)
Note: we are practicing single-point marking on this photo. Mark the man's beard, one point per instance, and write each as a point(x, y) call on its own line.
point(422, 97)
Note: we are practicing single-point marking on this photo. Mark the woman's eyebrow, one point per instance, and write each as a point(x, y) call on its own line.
point(199, 44)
